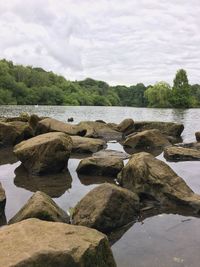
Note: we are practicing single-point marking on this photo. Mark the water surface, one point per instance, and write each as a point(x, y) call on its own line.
point(166, 240)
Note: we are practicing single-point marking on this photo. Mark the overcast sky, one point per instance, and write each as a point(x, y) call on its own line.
point(118, 41)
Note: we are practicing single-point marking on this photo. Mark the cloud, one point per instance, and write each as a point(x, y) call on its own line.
point(119, 42)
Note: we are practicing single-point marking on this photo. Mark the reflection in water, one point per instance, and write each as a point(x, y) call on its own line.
point(53, 185)
point(88, 180)
point(7, 156)
point(179, 115)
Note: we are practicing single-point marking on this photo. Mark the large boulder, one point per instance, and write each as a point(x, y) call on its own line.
point(167, 128)
point(100, 166)
point(52, 125)
point(87, 145)
point(197, 134)
point(50, 244)
point(96, 129)
point(14, 132)
point(46, 153)
point(147, 140)
point(151, 178)
point(2, 200)
point(178, 153)
point(126, 126)
point(106, 208)
point(41, 206)
point(54, 185)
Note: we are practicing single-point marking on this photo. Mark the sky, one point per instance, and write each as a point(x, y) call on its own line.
point(118, 41)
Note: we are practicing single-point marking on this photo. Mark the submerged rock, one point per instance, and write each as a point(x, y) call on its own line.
point(41, 206)
point(100, 166)
point(46, 153)
point(146, 140)
point(151, 178)
point(2, 200)
point(54, 185)
point(87, 145)
point(106, 208)
point(48, 244)
point(178, 153)
point(14, 132)
point(167, 128)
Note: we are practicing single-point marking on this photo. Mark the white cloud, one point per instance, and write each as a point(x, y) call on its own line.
point(121, 42)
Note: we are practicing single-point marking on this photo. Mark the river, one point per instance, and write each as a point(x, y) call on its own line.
point(165, 240)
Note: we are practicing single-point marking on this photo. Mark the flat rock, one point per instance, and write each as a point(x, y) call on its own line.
point(111, 153)
point(52, 125)
point(2, 200)
point(151, 178)
point(167, 128)
point(50, 244)
point(54, 185)
point(148, 140)
point(102, 130)
point(178, 153)
point(41, 206)
point(14, 132)
point(106, 208)
point(46, 153)
point(87, 145)
point(108, 166)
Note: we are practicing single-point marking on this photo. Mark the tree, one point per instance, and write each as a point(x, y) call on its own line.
point(158, 96)
point(181, 90)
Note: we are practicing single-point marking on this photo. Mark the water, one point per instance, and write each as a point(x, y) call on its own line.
point(166, 240)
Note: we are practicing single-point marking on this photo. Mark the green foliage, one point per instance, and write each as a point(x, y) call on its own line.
point(181, 97)
point(159, 95)
point(30, 86)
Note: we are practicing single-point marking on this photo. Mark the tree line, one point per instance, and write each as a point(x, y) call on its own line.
point(20, 85)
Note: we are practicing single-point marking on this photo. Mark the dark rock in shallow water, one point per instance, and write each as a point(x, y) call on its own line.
point(182, 153)
point(197, 134)
point(48, 244)
point(2, 200)
point(7, 156)
point(149, 140)
point(166, 128)
point(100, 166)
point(106, 207)
point(153, 179)
point(46, 153)
point(14, 132)
point(41, 206)
point(54, 185)
point(87, 145)
point(89, 180)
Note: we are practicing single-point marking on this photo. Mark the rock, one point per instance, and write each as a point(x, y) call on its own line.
point(146, 141)
point(102, 130)
point(100, 166)
point(197, 134)
point(46, 153)
point(167, 128)
point(42, 207)
point(14, 132)
point(54, 185)
point(106, 208)
point(106, 153)
point(49, 244)
point(87, 145)
point(2, 200)
point(175, 153)
point(71, 119)
point(53, 125)
point(126, 126)
point(7, 156)
point(33, 121)
point(151, 178)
